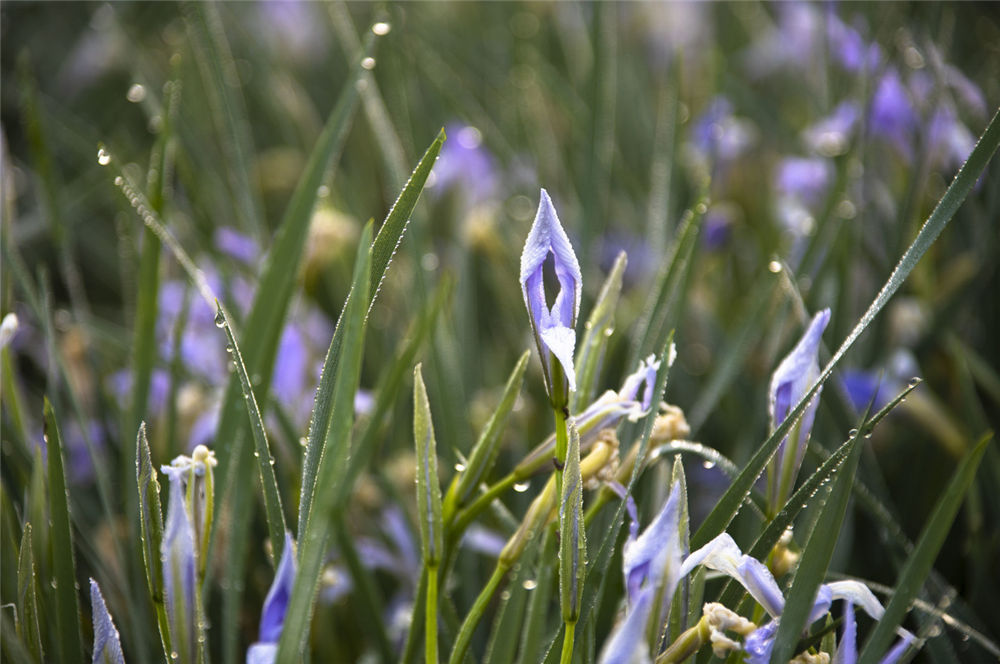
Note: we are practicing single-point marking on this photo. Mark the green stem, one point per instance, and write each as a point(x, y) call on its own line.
point(476, 614)
point(562, 443)
point(430, 640)
point(567, 647)
point(468, 515)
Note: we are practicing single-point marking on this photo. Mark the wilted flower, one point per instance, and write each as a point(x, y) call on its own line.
point(107, 644)
point(272, 617)
point(553, 327)
point(790, 382)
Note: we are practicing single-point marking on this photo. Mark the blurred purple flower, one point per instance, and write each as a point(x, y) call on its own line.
point(642, 261)
point(553, 327)
point(121, 382)
point(892, 115)
point(272, 618)
point(107, 644)
point(236, 244)
point(789, 383)
point(805, 179)
point(949, 142)
point(466, 167)
point(831, 136)
point(716, 227)
point(720, 137)
point(293, 27)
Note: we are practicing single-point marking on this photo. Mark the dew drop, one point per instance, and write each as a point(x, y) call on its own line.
point(707, 464)
point(505, 595)
point(529, 584)
point(303, 441)
point(229, 348)
point(368, 63)
point(220, 320)
point(853, 433)
point(774, 266)
point(103, 156)
point(914, 381)
point(381, 28)
point(521, 487)
point(136, 93)
point(459, 467)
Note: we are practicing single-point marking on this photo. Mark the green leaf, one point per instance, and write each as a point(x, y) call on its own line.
point(332, 457)
point(572, 532)
point(918, 565)
point(151, 532)
point(69, 640)
point(597, 331)
point(485, 451)
point(28, 627)
point(815, 558)
point(388, 238)
point(218, 67)
point(428, 485)
point(389, 386)
point(730, 503)
point(262, 450)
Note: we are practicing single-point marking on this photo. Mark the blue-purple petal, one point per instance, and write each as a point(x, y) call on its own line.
point(272, 617)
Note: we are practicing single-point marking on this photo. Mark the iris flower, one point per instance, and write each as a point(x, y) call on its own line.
point(651, 563)
point(790, 382)
point(179, 564)
point(553, 326)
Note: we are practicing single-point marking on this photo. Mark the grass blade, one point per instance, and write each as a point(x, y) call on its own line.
point(388, 238)
point(730, 503)
point(595, 338)
point(816, 558)
point(27, 605)
point(262, 450)
point(485, 452)
point(428, 507)
point(918, 565)
point(151, 532)
point(331, 458)
point(69, 642)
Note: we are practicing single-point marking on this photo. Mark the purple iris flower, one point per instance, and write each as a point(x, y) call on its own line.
point(949, 141)
point(892, 115)
point(718, 135)
point(272, 617)
point(120, 384)
point(107, 644)
point(179, 564)
point(868, 387)
point(847, 47)
point(467, 167)
point(716, 228)
point(790, 382)
point(832, 135)
point(553, 326)
point(651, 564)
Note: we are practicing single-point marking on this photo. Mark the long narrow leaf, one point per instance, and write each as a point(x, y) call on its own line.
point(388, 238)
point(27, 598)
point(815, 559)
point(151, 531)
point(262, 452)
point(332, 459)
point(918, 565)
point(69, 640)
point(428, 485)
point(572, 533)
point(730, 503)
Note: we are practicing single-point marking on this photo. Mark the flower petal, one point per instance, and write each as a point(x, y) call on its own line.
point(272, 617)
point(626, 644)
point(107, 644)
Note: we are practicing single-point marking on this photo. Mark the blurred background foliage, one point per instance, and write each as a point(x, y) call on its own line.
point(821, 134)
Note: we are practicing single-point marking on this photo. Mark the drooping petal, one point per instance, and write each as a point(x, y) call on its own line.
point(847, 649)
point(723, 555)
point(107, 644)
point(759, 644)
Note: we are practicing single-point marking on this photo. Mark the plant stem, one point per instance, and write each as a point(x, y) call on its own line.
point(567, 647)
point(562, 443)
point(430, 639)
point(468, 515)
point(476, 614)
